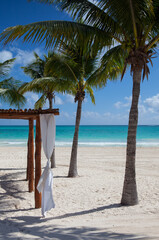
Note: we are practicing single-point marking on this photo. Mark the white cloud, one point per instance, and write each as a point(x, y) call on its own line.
point(5, 55)
point(64, 115)
point(120, 117)
point(148, 110)
point(65, 118)
point(85, 100)
point(107, 114)
point(142, 109)
point(69, 98)
point(151, 110)
point(58, 100)
point(89, 117)
point(24, 57)
point(129, 99)
point(117, 105)
point(31, 99)
point(126, 104)
point(87, 114)
point(147, 113)
point(152, 102)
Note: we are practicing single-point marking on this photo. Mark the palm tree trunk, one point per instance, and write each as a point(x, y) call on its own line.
point(50, 102)
point(73, 161)
point(129, 195)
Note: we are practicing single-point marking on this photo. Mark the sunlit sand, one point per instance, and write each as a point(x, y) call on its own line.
point(87, 207)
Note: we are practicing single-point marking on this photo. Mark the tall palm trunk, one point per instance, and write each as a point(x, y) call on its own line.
point(73, 161)
point(52, 159)
point(129, 195)
point(50, 102)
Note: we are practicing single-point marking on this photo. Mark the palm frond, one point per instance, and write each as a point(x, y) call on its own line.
point(140, 10)
point(2, 91)
point(32, 71)
point(111, 16)
point(12, 97)
point(35, 69)
point(41, 102)
point(84, 59)
point(112, 65)
point(62, 67)
point(28, 87)
point(89, 91)
point(36, 56)
point(10, 83)
point(53, 32)
point(89, 12)
point(152, 42)
point(5, 67)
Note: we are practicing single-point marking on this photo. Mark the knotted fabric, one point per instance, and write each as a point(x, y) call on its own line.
point(45, 184)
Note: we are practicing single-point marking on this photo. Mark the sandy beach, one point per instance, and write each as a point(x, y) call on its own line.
point(87, 207)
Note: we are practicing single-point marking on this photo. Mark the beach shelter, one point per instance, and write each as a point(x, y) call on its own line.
point(31, 115)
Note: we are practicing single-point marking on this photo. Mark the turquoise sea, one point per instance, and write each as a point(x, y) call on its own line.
point(88, 135)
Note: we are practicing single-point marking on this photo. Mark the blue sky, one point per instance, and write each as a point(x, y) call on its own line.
point(112, 102)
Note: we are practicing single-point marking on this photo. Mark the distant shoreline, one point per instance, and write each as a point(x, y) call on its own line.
point(89, 135)
point(148, 125)
point(84, 145)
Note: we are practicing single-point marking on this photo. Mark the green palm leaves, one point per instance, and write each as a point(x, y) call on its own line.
point(53, 32)
point(124, 20)
point(5, 67)
point(43, 81)
point(75, 67)
point(67, 71)
point(132, 24)
point(9, 87)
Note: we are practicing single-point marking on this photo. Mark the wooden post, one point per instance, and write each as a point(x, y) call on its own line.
point(27, 170)
point(37, 162)
point(31, 155)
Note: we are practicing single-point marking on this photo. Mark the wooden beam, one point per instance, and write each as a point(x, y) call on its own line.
point(27, 114)
point(37, 162)
point(31, 155)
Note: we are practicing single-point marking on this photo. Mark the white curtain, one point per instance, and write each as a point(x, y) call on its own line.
point(47, 123)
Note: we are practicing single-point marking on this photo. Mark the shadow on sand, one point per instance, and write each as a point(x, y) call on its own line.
point(29, 227)
point(10, 185)
point(32, 227)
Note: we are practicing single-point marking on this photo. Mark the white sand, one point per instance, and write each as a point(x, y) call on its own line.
point(87, 207)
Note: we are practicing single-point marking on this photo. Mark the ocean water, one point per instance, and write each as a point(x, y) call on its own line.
point(88, 135)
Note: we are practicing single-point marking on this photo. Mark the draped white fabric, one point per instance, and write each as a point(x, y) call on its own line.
point(47, 122)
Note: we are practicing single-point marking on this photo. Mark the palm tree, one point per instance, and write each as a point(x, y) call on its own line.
point(36, 70)
point(132, 25)
point(75, 65)
point(42, 84)
point(9, 86)
point(68, 71)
